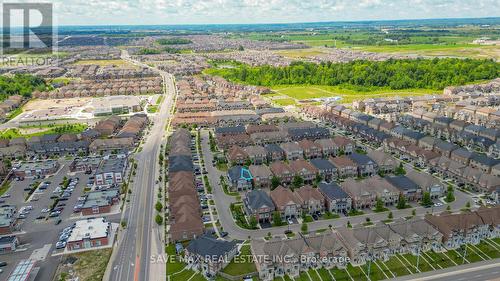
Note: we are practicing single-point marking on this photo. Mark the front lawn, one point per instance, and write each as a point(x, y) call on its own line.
point(173, 265)
point(240, 267)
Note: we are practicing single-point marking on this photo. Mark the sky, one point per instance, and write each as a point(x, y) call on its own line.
point(146, 12)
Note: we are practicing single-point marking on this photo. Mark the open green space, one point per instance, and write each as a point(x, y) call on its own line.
point(42, 130)
point(289, 94)
point(88, 265)
point(173, 265)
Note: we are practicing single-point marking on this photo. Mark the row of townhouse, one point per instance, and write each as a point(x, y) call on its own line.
point(359, 245)
point(93, 140)
point(260, 175)
point(457, 131)
point(328, 197)
point(184, 210)
point(308, 149)
point(267, 134)
point(413, 145)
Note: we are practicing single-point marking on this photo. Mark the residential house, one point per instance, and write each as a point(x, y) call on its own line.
point(344, 144)
point(384, 161)
point(310, 148)
point(410, 190)
point(417, 236)
point(282, 171)
point(292, 150)
point(304, 169)
point(345, 166)
point(311, 199)
point(287, 203)
point(364, 192)
point(274, 152)
point(261, 175)
point(366, 166)
point(482, 162)
point(259, 204)
point(240, 178)
point(328, 147)
point(256, 154)
point(237, 155)
point(459, 229)
point(325, 168)
point(461, 155)
point(210, 255)
point(336, 199)
point(426, 182)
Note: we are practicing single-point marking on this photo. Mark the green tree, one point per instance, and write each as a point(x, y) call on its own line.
point(426, 199)
point(252, 222)
point(158, 206)
point(297, 182)
point(448, 207)
point(379, 205)
point(402, 202)
point(390, 216)
point(413, 212)
point(304, 228)
point(450, 196)
point(277, 221)
point(275, 182)
point(349, 225)
point(400, 170)
point(159, 219)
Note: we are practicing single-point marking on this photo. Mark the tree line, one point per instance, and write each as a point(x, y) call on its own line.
point(365, 75)
point(20, 84)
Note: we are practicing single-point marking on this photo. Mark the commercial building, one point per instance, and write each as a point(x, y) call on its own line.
point(89, 233)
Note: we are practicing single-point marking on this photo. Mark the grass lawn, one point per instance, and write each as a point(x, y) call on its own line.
point(198, 277)
point(340, 274)
point(422, 264)
point(487, 248)
point(4, 187)
point(355, 272)
point(314, 275)
point(302, 277)
point(11, 115)
point(397, 267)
point(284, 102)
point(90, 265)
point(472, 255)
point(324, 274)
point(439, 258)
point(183, 275)
point(329, 216)
point(173, 267)
point(42, 130)
point(384, 269)
point(305, 92)
point(241, 268)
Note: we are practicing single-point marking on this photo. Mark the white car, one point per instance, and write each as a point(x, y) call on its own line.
point(45, 210)
point(290, 221)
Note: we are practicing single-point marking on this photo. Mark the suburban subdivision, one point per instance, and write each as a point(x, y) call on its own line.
point(305, 150)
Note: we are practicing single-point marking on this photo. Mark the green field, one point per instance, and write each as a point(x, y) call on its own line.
point(42, 130)
point(290, 94)
point(241, 268)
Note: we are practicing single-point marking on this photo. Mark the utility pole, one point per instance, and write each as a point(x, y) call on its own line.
point(465, 253)
point(369, 265)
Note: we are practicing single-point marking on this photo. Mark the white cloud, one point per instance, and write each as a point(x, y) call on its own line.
point(93, 12)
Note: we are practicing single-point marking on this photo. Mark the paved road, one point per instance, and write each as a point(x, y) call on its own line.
point(480, 271)
point(142, 238)
point(223, 201)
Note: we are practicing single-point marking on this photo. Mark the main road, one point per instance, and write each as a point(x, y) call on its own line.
point(142, 238)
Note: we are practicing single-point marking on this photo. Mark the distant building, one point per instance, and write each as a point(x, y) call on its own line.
point(36, 169)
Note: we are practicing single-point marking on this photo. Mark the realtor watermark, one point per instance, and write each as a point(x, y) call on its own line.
point(243, 259)
point(28, 34)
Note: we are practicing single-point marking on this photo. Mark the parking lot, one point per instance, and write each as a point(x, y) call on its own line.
point(44, 218)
